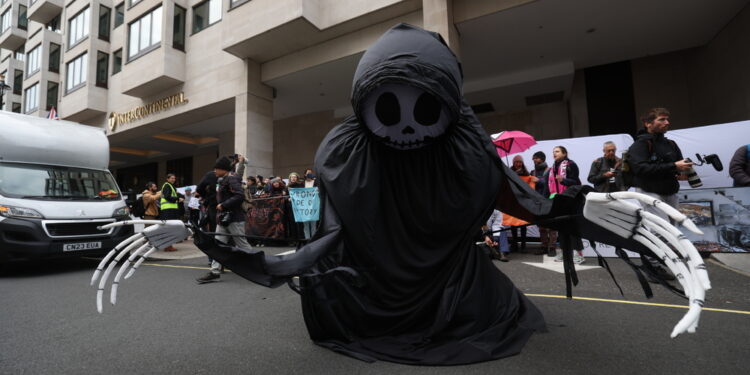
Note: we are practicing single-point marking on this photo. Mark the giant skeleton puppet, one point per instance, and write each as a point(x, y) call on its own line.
point(393, 272)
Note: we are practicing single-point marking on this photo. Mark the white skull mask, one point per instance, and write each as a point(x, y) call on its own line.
point(404, 117)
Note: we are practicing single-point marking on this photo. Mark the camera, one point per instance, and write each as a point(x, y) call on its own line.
point(712, 159)
point(693, 179)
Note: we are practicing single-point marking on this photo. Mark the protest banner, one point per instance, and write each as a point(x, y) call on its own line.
point(305, 204)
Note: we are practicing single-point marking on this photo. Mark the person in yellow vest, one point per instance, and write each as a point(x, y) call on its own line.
point(169, 209)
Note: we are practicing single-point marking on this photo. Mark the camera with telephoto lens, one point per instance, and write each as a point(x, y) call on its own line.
point(712, 159)
point(693, 179)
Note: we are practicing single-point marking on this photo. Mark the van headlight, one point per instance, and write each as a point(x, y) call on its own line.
point(120, 212)
point(11, 211)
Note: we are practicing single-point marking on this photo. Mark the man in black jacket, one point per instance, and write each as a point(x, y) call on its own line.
point(231, 218)
point(657, 164)
point(657, 161)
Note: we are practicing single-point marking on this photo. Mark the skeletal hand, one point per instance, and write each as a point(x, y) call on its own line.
point(163, 234)
point(626, 219)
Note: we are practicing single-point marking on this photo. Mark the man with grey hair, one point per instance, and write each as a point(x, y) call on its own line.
point(606, 172)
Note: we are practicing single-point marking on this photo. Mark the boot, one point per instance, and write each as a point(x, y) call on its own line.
point(551, 252)
point(503, 257)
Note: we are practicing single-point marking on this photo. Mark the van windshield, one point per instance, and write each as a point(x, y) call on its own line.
point(56, 183)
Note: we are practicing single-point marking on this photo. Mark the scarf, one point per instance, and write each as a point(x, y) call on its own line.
point(555, 187)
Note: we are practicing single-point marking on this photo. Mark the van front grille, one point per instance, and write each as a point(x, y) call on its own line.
point(61, 229)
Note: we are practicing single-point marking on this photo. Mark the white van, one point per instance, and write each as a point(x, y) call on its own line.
point(55, 190)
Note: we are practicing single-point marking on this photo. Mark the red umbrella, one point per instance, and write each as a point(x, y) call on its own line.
point(512, 142)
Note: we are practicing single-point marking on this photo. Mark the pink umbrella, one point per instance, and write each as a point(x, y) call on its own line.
point(512, 142)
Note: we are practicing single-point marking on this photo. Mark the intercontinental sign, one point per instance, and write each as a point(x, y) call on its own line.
point(140, 112)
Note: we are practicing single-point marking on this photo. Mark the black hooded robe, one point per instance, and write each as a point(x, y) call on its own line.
point(393, 272)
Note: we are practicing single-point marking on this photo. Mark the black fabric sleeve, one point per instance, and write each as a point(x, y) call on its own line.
point(203, 185)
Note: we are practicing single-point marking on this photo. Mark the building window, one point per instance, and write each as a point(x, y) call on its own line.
point(134, 2)
point(144, 33)
point(180, 15)
point(235, 3)
point(17, 81)
point(116, 61)
point(16, 107)
point(34, 60)
point(102, 63)
point(19, 54)
point(51, 94)
point(205, 14)
point(54, 58)
point(119, 14)
point(31, 98)
point(23, 22)
point(54, 24)
point(5, 20)
point(78, 27)
point(104, 15)
point(76, 73)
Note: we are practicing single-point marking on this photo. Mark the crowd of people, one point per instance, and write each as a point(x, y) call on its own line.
point(654, 163)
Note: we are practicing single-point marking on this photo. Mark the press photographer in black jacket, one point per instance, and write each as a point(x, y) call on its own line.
point(231, 218)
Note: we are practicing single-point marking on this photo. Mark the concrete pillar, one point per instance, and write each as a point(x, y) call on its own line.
point(438, 17)
point(253, 123)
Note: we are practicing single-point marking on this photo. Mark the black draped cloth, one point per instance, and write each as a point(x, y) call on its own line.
point(393, 272)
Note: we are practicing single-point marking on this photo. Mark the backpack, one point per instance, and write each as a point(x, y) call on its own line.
point(139, 209)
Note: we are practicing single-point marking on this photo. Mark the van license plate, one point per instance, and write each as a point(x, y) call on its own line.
point(82, 246)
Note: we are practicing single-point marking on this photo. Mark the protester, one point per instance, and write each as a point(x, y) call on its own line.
point(739, 166)
point(657, 163)
point(497, 238)
point(229, 208)
point(562, 175)
point(606, 172)
point(547, 237)
point(309, 227)
point(514, 223)
point(150, 197)
point(169, 203)
point(295, 181)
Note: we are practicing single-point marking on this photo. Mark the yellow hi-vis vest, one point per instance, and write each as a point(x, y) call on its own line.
point(165, 204)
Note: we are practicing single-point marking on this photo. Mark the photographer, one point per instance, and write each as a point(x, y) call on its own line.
point(231, 219)
point(605, 171)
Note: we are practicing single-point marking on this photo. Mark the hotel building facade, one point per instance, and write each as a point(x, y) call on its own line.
point(175, 83)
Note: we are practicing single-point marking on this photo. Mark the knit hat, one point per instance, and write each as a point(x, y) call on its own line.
point(517, 158)
point(223, 163)
point(540, 155)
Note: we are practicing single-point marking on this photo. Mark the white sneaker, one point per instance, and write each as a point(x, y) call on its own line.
point(578, 259)
point(558, 255)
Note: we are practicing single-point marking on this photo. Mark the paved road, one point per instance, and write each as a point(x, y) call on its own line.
point(165, 323)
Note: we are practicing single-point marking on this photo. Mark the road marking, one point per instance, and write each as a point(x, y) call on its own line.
point(548, 263)
point(173, 266)
point(287, 252)
point(637, 303)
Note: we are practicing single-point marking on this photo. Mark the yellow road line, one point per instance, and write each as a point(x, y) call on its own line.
point(637, 303)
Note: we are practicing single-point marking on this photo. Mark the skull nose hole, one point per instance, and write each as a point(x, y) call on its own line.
point(407, 130)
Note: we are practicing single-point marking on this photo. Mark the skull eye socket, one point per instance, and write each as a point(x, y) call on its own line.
point(427, 110)
point(387, 109)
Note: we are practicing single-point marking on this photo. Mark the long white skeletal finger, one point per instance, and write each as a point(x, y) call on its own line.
point(125, 265)
point(682, 244)
point(138, 263)
point(696, 302)
point(110, 267)
point(672, 212)
point(671, 260)
point(111, 253)
point(129, 222)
